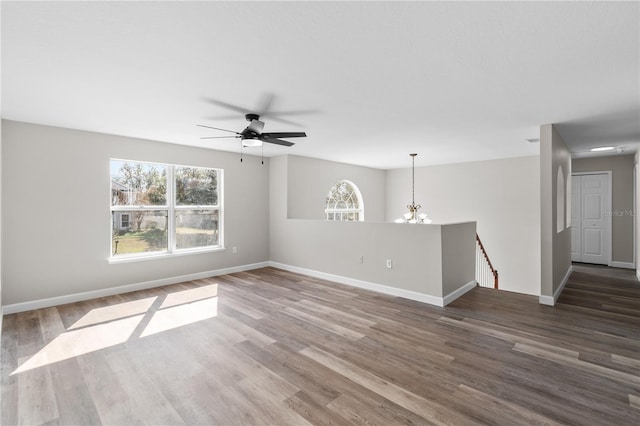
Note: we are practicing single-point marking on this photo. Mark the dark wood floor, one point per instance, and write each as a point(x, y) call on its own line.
point(272, 347)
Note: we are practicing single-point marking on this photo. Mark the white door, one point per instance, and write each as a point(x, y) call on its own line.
point(593, 238)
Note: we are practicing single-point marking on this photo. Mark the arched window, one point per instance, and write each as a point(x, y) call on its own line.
point(344, 202)
point(560, 201)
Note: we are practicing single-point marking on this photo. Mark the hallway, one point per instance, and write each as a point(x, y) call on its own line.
point(601, 291)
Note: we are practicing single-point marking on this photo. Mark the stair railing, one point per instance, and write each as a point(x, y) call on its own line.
point(486, 274)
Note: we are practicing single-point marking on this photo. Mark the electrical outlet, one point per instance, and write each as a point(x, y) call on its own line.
point(234, 249)
point(389, 264)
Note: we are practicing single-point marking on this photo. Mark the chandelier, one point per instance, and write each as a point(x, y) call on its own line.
point(412, 216)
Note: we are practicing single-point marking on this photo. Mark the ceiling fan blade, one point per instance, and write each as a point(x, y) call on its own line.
point(271, 114)
point(217, 128)
point(234, 117)
point(276, 141)
point(283, 121)
point(265, 103)
point(277, 116)
point(228, 106)
point(220, 137)
point(283, 135)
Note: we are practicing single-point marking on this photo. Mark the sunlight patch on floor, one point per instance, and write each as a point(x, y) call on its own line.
point(112, 325)
point(83, 341)
point(191, 295)
point(114, 312)
point(179, 316)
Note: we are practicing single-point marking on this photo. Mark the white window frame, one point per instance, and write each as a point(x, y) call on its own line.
point(128, 215)
point(342, 212)
point(171, 208)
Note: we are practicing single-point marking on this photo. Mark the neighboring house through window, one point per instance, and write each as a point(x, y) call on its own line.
point(164, 208)
point(344, 202)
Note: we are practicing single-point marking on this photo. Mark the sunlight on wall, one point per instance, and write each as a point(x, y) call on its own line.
point(560, 201)
point(112, 325)
point(568, 197)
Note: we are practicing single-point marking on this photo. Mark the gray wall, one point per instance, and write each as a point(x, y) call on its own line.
point(1, 196)
point(309, 181)
point(458, 255)
point(56, 217)
point(55, 191)
point(621, 167)
point(336, 247)
point(555, 246)
point(637, 210)
point(502, 196)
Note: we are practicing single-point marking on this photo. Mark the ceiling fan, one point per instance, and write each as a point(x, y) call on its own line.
point(252, 135)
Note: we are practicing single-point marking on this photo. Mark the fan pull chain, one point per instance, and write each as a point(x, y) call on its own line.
point(262, 159)
point(241, 145)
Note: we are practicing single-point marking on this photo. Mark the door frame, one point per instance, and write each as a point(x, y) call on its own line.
point(635, 219)
point(608, 202)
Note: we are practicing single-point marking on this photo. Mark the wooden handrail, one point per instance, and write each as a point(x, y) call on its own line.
point(493, 270)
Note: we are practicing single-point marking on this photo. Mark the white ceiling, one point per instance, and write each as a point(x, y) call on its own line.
point(452, 81)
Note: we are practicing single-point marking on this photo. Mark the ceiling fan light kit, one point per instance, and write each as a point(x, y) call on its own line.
point(251, 143)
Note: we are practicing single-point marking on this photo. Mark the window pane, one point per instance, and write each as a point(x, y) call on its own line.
point(196, 228)
point(144, 231)
point(196, 186)
point(124, 221)
point(344, 201)
point(137, 184)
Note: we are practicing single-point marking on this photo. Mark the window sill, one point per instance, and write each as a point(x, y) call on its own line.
point(163, 255)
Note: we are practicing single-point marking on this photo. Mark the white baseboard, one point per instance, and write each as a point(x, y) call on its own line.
point(626, 265)
point(379, 288)
point(546, 300)
point(551, 301)
point(459, 292)
point(77, 297)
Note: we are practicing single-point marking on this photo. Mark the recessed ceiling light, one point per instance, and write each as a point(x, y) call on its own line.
point(602, 148)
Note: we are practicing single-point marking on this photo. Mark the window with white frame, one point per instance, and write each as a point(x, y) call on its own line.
point(163, 208)
point(344, 202)
point(124, 220)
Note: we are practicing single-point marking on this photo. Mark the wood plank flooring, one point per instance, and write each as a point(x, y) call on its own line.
point(269, 347)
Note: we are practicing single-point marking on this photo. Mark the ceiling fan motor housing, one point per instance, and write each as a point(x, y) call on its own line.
point(255, 126)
